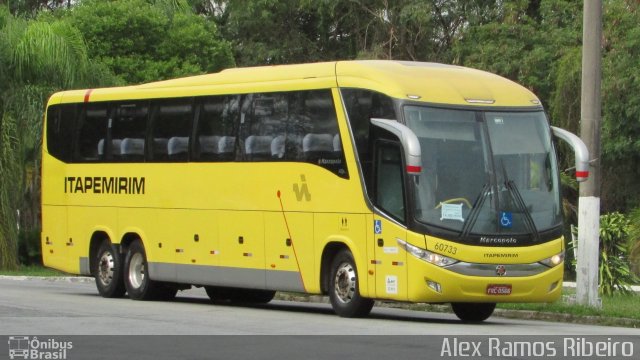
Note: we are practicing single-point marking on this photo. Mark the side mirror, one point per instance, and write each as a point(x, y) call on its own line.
point(580, 150)
point(409, 141)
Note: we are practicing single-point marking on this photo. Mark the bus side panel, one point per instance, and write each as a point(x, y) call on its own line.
point(242, 248)
point(54, 237)
point(195, 234)
point(289, 251)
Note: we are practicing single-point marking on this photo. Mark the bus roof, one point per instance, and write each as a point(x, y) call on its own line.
point(425, 82)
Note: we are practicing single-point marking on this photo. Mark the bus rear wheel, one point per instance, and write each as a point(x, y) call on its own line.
point(343, 288)
point(473, 312)
point(136, 278)
point(108, 271)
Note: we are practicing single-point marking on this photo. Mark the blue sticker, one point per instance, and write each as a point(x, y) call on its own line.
point(377, 226)
point(506, 219)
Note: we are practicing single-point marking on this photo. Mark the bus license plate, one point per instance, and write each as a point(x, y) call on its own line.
point(499, 289)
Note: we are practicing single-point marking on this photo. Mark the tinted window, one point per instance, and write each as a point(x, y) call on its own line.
point(362, 105)
point(92, 144)
point(216, 135)
point(61, 122)
point(389, 183)
point(129, 131)
point(314, 121)
point(263, 125)
point(171, 130)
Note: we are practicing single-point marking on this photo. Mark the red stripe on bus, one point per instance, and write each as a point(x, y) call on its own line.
point(414, 169)
point(87, 94)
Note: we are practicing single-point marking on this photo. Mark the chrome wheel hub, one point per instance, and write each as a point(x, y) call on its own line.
point(105, 268)
point(345, 282)
point(136, 271)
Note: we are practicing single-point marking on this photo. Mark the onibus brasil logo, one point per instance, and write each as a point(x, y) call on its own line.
point(26, 347)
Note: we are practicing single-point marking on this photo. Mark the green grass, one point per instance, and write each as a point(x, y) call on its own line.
point(617, 306)
point(32, 270)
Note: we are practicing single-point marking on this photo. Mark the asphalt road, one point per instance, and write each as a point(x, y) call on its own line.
point(37, 306)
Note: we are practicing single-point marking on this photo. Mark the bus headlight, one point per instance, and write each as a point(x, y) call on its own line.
point(553, 261)
point(428, 256)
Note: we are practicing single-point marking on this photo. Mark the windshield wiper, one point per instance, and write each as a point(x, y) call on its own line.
point(475, 211)
point(517, 197)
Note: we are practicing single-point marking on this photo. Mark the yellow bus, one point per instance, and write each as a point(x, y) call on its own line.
point(361, 180)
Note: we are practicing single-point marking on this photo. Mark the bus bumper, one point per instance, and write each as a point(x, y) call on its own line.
point(433, 284)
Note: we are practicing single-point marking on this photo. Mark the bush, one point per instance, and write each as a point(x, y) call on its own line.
point(634, 242)
point(29, 250)
point(615, 272)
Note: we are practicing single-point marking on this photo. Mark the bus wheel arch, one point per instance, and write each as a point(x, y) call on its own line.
point(94, 245)
point(328, 254)
point(341, 280)
point(126, 241)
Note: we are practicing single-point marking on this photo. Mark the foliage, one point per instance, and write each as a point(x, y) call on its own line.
point(621, 105)
point(634, 241)
point(141, 42)
point(29, 249)
point(36, 57)
point(294, 31)
point(614, 270)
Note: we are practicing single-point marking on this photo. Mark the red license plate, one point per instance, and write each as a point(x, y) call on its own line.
point(499, 289)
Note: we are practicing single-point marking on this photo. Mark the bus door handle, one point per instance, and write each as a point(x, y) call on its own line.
point(380, 242)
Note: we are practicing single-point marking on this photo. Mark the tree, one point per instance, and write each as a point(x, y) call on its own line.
point(294, 31)
point(36, 57)
point(621, 105)
point(142, 42)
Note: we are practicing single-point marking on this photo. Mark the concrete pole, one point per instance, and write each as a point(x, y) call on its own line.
point(589, 201)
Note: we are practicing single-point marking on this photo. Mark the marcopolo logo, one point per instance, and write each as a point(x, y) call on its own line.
point(25, 347)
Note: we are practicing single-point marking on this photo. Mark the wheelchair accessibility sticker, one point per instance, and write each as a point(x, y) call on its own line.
point(506, 219)
point(377, 226)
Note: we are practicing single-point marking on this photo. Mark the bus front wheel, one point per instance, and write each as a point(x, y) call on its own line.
point(473, 312)
point(136, 278)
point(343, 288)
point(108, 271)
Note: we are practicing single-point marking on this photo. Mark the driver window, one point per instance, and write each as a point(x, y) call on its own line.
point(389, 183)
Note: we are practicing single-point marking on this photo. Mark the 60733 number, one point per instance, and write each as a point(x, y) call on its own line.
point(444, 248)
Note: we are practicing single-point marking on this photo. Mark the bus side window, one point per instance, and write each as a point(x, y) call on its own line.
point(263, 126)
point(171, 129)
point(130, 127)
point(61, 122)
point(361, 106)
point(216, 129)
point(389, 192)
point(314, 126)
point(92, 133)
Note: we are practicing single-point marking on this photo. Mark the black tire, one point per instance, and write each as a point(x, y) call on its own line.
point(108, 271)
point(343, 288)
point(136, 278)
point(473, 312)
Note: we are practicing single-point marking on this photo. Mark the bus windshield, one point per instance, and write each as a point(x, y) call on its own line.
point(485, 172)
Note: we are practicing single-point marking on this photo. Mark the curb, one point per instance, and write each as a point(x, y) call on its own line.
point(69, 279)
point(504, 313)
